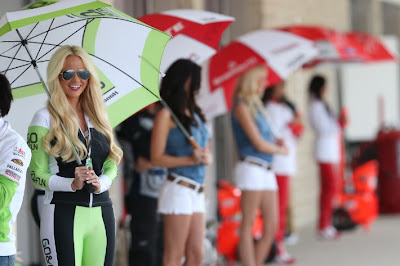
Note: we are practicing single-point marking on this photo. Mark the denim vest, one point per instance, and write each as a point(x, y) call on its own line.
point(245, 148)
point(178, 145)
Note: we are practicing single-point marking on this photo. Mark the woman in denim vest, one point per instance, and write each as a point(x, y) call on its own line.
point(253, 173)
point(181, 199)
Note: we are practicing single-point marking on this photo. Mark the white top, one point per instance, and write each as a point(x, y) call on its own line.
point(15, 157)
point(280, 115)
point(327, 133)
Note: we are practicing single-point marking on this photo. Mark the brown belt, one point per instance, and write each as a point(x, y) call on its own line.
point(244, 159)
point(185, 183)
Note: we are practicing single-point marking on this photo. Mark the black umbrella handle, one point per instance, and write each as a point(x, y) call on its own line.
point(89, 188)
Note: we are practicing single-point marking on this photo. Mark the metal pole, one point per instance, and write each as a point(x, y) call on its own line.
point(179, 124)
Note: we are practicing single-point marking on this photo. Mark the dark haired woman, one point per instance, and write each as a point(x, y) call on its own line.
point(284, 116)
point(15, 156)
point(327, 152)
point(181, 199)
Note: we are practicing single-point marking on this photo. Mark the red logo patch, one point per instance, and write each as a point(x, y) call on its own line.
point(19, 152)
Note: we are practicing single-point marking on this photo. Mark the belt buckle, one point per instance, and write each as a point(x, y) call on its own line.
point(255, 162)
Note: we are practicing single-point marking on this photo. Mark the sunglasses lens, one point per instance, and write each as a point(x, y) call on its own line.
point(68, 74)
point(84, 74)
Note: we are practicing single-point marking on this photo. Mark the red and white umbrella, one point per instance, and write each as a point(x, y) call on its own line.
point(281, 52)
point(196, 33)
point(332, 45)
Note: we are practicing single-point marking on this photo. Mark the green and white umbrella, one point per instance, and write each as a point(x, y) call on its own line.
point(127, 53)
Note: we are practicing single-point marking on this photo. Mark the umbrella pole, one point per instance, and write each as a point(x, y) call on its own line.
point(179, 124)
point(33, 62)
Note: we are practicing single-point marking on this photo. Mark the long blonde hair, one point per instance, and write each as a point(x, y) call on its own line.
point(91, 102)
point(246, 89)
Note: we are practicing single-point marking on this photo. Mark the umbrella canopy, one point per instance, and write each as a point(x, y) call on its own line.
point(332, 45)
point(282, 52)
point(126, 52)
point(370, 47)
point(196, 33)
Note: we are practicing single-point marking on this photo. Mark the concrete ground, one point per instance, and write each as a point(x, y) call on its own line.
point(379, 247)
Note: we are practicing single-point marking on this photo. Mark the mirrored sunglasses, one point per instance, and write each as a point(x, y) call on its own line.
point(68, 74)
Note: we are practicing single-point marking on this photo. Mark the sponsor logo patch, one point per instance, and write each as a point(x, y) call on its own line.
point(19, 152)
point(13, 175)
point(18, 161)
point(12, 167)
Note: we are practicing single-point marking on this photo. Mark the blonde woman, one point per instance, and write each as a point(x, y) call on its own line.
point(77, 225)
point(253, 173)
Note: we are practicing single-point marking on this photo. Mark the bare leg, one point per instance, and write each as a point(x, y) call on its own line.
point(250, 201)
point(194, 243)
point(176, 231)
point(269, 211)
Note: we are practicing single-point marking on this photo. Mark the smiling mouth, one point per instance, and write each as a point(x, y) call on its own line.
point(75, 87)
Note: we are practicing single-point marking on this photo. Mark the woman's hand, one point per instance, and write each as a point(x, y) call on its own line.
point(206, 156)
point(142, 165)
point(283, 150)
point(81, 174)
point(93, 179)
point(197, 155)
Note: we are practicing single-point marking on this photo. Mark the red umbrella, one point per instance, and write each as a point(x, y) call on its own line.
point(196, 33)
point(282, 52)
point(332, 45)
point(369, 46)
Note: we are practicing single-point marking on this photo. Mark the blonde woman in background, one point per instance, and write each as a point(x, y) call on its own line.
point(253, 173)
point(77, 224)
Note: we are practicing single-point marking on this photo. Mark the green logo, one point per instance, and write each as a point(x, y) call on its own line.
point(41, 4)
point(103, 12)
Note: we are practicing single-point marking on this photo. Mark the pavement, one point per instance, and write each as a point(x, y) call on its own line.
point(379, 247)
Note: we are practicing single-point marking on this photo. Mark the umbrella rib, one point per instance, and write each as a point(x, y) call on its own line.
point(56, 45)
point(19, 43)
point(45, 43)
point(41, 45)
point(13, 68)
point(26, 69)
point(126, 75)
point(76, 21)
point(31, 30)
point(12, 60)
point(15, 58)
point(66, 24)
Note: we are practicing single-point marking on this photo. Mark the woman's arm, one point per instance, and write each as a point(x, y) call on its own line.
point(321, 120)
point(107, 178)
point(159, 136)
point(7, 191)
point(39, 166)
point(246, 121)
point(13, 167)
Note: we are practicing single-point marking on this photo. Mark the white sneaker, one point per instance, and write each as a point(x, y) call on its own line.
point(284, 258)
point(291, 239)
point(329, 233)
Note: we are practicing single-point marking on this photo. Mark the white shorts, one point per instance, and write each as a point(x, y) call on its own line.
point(177, 199)
point(253, 177)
